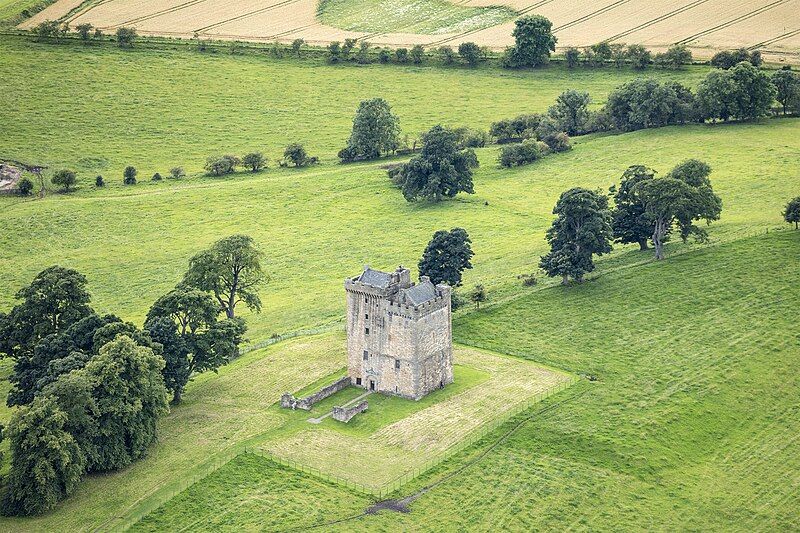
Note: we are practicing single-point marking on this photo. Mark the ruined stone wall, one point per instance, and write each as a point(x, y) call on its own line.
point(288, 401)
point(345, 414)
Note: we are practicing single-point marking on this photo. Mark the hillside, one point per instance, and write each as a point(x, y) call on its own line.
point(705, 25)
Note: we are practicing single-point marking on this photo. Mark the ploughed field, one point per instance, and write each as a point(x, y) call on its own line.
point(705, 25)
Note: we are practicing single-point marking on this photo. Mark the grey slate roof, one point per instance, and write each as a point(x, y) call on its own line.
point(375, 278)
point(420, 293)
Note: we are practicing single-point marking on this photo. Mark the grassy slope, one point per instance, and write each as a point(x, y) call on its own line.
point(410, 16)
point(106, 108)
point(134, 244)
point(692, 425)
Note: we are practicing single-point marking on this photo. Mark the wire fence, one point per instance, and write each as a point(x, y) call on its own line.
point(382, 491)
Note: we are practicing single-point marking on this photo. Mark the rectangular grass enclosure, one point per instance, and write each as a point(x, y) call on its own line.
point(397, 439)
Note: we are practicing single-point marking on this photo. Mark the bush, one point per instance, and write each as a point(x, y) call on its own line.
point(447, 55)
point(572, 57)
point(521, 154)
point(297, 45)
point(558, 143)
point(177, 173)
point(730, 58)
point(126, 36)
point(65, 179)
point(254, 161)
point(384, 55)
point(418, 54)
point(515, 129)
point(156, 177)
point(528, 280)
point(99, 181)
point(296, 155)
point(470, 53)
point(218, 166)
point(129, 175)
point(334, 52)
point(639, 56)
point(401, 55)
point(25, 186)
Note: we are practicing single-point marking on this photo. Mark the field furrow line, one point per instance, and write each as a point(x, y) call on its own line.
point(731, 22)
point(83, 9)
point(157, 14)
point(591, 15)
point(774, 40)
point(658, 19)
point(248, 14)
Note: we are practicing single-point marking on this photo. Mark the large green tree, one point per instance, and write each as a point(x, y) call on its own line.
point(184, 322)
point(55, 299)
point(791, 213)
point(787, 86)
point(630, 223)
point(231, 271)
point(669, 199)
point(581, 229)
point(376, 131)
point(648, 103)
point(571, 111)
point(533, 42)
point(441, 170)
point(447, 255)
point(46, 462)
point(743, 92)
point(708, 207)
point(130, 395)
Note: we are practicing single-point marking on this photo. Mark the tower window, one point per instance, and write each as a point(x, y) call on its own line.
point(366, 355)
point(397, 364)
point(366, 316)
point(358, 381)
point(366, 331)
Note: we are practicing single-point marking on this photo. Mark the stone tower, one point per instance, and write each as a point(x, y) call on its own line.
point(399, 334)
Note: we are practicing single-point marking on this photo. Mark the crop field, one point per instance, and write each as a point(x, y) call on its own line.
point(693, 420)
point(705, 25)
point(398, 447)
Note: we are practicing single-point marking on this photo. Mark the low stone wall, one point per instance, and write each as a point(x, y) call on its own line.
point(288, 401)
point(344, 414)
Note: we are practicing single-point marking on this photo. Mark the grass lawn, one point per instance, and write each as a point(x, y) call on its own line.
point(410, 16)
point(256, 495)
point(398, 437)
point(134, 244)
point(98, 109)
point(692, 423)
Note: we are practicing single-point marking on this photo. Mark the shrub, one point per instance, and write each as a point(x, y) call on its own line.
point(470, 53)
point(254, 161)
point(65, 179)
point(401, 55)
point(297, 45)
point(218, 166)
point(528, 280)
point(639, 56)
point(418, 54)
point(296, 155)
point(515, 129)
point(347, 48)
point(177, 173)
point(558, 143)
point(334, 52)
point(730, 58)
point(99, 181)
point(521, 154)
point(363, 53)
point(572, 57)
point(156, 177)
point(129, 175)
point(25, 186)
point(384, 55)
point(447, 55)
point(126, 36)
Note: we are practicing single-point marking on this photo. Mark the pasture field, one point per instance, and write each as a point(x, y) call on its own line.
point(704, 25)
point(488, 387)
point(692, 423)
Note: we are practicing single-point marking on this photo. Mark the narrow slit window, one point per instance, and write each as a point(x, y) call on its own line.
point(397, 364)
point(366, 355)
point(366, 331)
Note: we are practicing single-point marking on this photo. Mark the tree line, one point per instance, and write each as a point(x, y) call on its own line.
point(91, 388)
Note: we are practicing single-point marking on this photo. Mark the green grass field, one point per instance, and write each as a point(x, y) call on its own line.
point(692, 424)
point(410, 16)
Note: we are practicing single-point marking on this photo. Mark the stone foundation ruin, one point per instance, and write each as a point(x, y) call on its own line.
point(344, 414)
point(288, 401)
